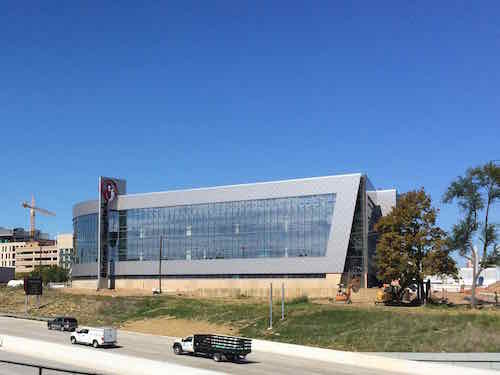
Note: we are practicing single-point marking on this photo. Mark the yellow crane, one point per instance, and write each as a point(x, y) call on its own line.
point(34, 209)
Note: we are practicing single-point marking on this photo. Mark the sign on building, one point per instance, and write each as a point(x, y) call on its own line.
point(109, 189)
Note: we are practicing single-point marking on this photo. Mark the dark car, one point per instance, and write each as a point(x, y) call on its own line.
point(63, 323)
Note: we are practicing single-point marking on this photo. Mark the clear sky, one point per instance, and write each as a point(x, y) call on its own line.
point(182, 94)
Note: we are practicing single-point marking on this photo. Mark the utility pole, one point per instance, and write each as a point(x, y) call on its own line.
point(282, 301)
point(159, 269)
point(271, 307)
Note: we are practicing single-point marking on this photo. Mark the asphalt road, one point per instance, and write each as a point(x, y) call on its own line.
point(160, 348)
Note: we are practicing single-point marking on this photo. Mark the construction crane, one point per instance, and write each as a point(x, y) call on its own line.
point(33, 209)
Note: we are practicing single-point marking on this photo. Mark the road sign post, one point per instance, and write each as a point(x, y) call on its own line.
point(282, 301)
point(271, 306)
point(33, 286)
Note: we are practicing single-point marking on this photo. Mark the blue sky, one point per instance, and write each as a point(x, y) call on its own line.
point(173, 95)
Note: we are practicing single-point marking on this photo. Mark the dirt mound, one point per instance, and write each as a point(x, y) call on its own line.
point(170, 326)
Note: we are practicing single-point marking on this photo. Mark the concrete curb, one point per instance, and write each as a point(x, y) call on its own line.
point(478, 360)
point(368, 361)
point(94, 359)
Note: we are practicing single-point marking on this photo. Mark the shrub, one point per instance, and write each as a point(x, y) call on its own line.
point(297, 300)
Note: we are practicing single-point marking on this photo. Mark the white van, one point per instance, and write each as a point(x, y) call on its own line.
point(94, 336)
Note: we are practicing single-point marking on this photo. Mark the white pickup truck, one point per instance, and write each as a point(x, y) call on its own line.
point(94, 336)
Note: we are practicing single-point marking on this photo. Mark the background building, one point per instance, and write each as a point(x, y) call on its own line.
point(21, 235)
point(64, 243)
point(8, 253)
point(33, 254)
point(488, 277)
point(24, 256)
point(308, 233)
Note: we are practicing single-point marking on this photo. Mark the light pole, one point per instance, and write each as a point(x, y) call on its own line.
point(270, 306)
point(159, 262)
point(159, 268)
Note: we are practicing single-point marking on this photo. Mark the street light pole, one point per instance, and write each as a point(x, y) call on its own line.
point(159, 269)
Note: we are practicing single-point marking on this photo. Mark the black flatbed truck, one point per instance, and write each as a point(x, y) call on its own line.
point(218, 347)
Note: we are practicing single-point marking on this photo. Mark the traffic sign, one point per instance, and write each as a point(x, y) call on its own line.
point(33, 286)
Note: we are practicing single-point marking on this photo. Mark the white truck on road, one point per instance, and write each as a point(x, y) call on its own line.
point(96, 337)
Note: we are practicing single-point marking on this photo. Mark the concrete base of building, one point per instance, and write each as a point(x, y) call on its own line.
point(84, 284)
point(294, 287)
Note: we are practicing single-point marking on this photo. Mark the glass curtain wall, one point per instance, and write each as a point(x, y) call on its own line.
point(363, 239)
point(85, 238)
point(264, 228)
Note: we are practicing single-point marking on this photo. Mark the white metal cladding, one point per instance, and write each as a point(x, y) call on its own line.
point(386, 199)
point(86, 208)
point(345, 188)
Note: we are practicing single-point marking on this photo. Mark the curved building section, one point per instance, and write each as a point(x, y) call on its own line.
point(307, 232)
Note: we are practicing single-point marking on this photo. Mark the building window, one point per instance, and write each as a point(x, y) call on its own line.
point(264, 228)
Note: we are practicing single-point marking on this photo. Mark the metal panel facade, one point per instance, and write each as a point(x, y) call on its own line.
point(345, 188)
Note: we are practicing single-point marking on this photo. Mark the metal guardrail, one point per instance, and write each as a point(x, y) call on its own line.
point(40, 368)
point(457, 360)
point(27, 317)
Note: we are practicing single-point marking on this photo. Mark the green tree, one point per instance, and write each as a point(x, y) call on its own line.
point(475, 194)
point(51, 274)
point(411, 245)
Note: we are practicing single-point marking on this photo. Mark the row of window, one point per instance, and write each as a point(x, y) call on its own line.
point(10, 248)
point(282, 227)
point(221, 276)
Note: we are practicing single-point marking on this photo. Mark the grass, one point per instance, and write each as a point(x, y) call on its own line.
point(343, 327)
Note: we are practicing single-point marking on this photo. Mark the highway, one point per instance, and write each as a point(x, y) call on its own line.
point(160, 348)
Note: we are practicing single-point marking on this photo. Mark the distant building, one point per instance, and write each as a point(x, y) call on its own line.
point(34, 254)
point(20, 235)
point(23, 255)
point(488, 276)
point(8, 253)
point(64, 243)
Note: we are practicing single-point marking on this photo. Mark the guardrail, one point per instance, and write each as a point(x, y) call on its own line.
point(40, 368)
point(25, 316)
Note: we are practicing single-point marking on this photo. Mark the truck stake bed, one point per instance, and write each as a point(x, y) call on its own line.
point(219, 347)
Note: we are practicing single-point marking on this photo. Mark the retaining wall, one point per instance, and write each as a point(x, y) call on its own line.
point(311, 287)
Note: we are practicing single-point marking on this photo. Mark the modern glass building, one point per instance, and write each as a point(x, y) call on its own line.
point(295, 229)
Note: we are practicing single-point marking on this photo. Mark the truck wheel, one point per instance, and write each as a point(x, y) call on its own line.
point(49, 326)
point(217, 357)
point(73, 340)
point(95, 344)
point(177, 349)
